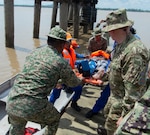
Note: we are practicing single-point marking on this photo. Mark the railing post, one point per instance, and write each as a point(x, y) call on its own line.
point(37, 14)
point(54, 14)
point(9, 23)
point(64, 15)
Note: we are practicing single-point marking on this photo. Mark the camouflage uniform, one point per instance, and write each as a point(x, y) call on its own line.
point(27, 100)
point(127, 79)
point(95, 45)
point(137, 121)
point(127, 75)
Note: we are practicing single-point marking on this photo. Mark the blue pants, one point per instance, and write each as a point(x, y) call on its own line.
point(56, 93)
point(102, 100)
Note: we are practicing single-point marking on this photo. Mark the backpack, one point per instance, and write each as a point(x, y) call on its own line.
point(84, 68)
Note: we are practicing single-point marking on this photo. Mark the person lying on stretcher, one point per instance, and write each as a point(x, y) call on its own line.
point(96, 66)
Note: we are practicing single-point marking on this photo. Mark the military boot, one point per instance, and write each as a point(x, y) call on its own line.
point(75, 106)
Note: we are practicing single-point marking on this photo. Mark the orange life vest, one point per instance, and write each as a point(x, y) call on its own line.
point(100, 53)
point(70, 56)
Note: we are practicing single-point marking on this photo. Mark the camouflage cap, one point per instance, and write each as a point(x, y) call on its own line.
point(117, 19)
point(96, 32)
point(57, 33)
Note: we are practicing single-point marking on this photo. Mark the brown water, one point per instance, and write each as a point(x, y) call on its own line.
point(12, 60)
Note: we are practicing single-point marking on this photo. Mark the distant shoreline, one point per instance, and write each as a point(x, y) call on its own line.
point(51, 6)
point(131, 10)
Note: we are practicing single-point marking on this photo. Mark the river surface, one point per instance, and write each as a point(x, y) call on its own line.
point(12, 60)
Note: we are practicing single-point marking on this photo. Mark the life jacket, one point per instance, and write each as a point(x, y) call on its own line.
point(100, 53)
point(30, 131)
point(70, 56)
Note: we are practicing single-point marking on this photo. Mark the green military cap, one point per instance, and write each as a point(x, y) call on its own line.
point(57, 33)
point(117, 19)
point(96, 32)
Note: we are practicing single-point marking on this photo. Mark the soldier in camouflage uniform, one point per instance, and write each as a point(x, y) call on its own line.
point(137, 121)
point(27, 100)
point(127, 77)
point(97, 42)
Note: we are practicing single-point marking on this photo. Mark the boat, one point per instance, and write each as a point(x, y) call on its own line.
point(60, 104)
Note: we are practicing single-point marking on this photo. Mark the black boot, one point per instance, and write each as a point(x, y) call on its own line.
point(75, 106)
point(7, 133)
point(101, 130)
point(90, 114)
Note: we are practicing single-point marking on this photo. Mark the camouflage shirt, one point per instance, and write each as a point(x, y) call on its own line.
point(42, 70)
point(128, 72)
point(97, 45)
point(137, 121)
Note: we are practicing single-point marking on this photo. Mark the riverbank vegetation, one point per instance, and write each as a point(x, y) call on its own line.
point(132, 10)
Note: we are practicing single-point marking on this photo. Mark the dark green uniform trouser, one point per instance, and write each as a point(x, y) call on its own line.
point(112, 110)
point(48, 117)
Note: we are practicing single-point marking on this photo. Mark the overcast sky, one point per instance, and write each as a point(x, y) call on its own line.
point(129, 4)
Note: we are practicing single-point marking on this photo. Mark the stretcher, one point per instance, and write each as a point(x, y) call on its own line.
point(93, 81)
point(90, 80)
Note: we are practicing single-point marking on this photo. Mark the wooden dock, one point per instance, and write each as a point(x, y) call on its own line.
point(69, 15)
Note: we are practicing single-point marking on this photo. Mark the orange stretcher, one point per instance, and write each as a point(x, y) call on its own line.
point(92, 81)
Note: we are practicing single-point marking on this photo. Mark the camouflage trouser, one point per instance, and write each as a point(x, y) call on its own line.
point(48, 117)
point(113, 112)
